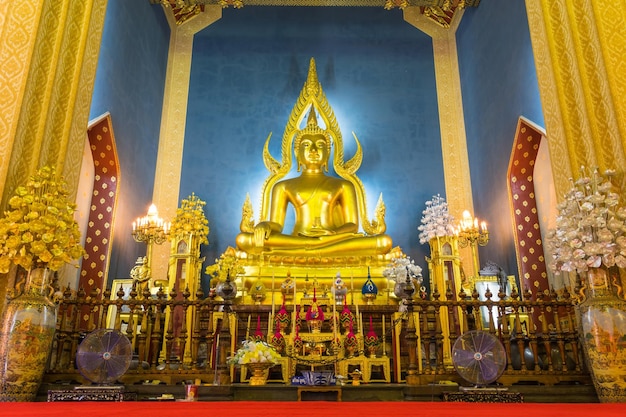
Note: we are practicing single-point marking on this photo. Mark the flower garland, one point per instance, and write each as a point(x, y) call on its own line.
point(254, 352)
point(436, 220)
point(40, 228)
point(590, 227)
point(190, 219)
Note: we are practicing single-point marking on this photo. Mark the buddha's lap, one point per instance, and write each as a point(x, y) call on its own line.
point(348, 242)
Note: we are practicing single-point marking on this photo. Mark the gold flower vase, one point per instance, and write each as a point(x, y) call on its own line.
point(26, 336)
point(259, 372)
point(602, 316)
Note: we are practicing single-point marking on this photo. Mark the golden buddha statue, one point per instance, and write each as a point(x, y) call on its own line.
point(326, 208)
point(331, 229)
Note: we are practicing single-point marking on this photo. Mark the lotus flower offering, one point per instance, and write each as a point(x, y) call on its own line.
point(254, 352)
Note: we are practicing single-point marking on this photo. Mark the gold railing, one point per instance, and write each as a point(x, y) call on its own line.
point(540, 337)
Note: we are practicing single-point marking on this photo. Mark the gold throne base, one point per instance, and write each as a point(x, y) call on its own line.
point(318, 272)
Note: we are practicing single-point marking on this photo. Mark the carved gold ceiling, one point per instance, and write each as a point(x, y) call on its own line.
point(440, 11)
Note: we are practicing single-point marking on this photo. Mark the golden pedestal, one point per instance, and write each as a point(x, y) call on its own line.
point(309, 273)
point(344, 365)
point(382, 361)
point(285, 368)
point(259, 372)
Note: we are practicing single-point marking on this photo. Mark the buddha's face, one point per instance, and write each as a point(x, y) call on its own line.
point(313, 151)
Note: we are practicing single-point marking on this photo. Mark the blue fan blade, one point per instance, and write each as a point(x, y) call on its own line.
point(118, 363)
point(90, 360)
point(110, 340)
point(489, 370)
point(484, 343)
point(464, 358)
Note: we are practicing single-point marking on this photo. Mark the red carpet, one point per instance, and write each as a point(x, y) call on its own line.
point(306, 408)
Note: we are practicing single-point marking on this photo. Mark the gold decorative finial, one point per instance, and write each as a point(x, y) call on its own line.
point(312, 120)
point(312, 84)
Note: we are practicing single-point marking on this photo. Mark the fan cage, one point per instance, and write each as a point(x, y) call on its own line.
point(479, 357)
point(103, 356)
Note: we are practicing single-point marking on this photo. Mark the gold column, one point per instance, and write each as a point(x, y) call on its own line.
point(49, 51)
point(451, 118)
point(18, 29)
point(54, 105)
point(578, 48)
point(173, 119)
point(444, 271)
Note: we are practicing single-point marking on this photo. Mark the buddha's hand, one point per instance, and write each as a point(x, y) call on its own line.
point(316, 232)
point(262, 231)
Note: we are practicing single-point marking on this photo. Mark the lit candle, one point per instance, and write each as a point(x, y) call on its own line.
point(361, 324)
point(483, 226)
point(152, 211)
point(467, 220)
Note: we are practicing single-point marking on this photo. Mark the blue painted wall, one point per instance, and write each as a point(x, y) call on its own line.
point(378, 75)
point(129, 84)
point(499, 84)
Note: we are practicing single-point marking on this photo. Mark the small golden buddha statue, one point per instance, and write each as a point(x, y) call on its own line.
point(141, 275)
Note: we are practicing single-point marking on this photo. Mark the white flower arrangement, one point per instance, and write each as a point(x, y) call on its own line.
point(590, 227)
point(436, 220)
point(399, 267)
point(254, 352)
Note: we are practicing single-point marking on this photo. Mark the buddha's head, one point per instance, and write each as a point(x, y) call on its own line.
point(312, 151)
point(312, 145)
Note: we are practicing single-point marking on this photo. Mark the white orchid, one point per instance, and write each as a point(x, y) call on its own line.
point(436, 220)
point(398, 268)
point(591, 226)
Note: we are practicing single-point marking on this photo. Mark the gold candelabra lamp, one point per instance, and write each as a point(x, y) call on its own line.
point(150, 229)
point(472, 233)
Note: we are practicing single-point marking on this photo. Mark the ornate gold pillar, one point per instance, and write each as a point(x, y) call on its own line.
point(48, 115)
point(173, 119)
point(444, 271)
point(49, 51)
point(18, 27)
point(579, 55)
point(451, 118)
